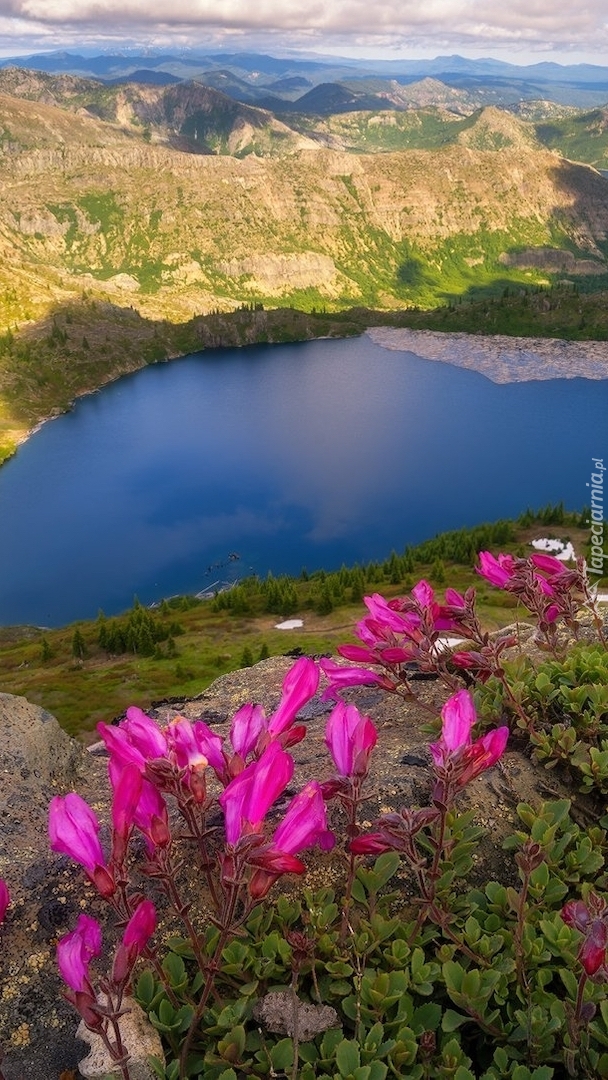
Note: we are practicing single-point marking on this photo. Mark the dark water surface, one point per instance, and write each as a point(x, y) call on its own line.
point(289, 456)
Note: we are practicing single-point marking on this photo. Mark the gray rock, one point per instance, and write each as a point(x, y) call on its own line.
point(140, 1039)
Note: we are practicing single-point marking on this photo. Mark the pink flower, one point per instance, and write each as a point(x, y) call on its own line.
point(593, 952)
point(247, 799)
point(576, 913)
point(548, 563)
point(137, 933)
point(183, 746)
point(458, 716)
point(137, 739)
point(371, 844)
point(211, 745)
point(423, 593)
point(497, 571)
point(350, 739)
point(456, 751)
point(551, 613)
point(73, 830)
point(359, 653)
point(484, 753)
point(74, 953)
point(247, 726)
point(5, 899)
point(304, 824)
point(140, 928)
point(455, 599)
point(385, 615)
point(591, 921)
point(145, 734)
point(299, 685)
point(340, 677)
point(185, 751)
point(127, 793)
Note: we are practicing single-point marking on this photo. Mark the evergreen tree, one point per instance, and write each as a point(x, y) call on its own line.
point(79, 645)
point(325, 604)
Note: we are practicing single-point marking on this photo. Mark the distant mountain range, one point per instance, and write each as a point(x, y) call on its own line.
point(252, 77)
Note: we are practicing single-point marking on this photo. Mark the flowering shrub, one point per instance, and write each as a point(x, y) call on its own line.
point(501, 981)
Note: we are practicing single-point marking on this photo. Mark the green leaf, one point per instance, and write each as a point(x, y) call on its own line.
point(146, 989)
point(308, 1052)
point(175, 970)
point(386, 866)
point(569, 981)
point(374, 1037)
point(331, 1039)
point(281, 1055)
point(348, 1057)
point(181, 946)
point(427, 1017)
point(377, 1070)
point(452, 1020)
point(227, 1074)
point(358, 892)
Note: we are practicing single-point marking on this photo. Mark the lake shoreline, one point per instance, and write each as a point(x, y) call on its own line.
point(501, 358)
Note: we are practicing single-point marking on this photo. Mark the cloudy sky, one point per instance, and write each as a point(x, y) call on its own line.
point(518, 31)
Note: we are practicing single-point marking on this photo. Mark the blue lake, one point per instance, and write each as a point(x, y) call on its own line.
point(288, 456)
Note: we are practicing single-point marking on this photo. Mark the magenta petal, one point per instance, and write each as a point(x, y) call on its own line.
point(74, 952)
point(248, 797)
point(350, 738)
point(593, 951)
point(140, 927)
point(184, 745)
point(395, 655)
point(551, 613)
point(372, 844)
point(384, 615)
point(305, 822)
point(340, 676)
point(358, 653)
point(5, 899)
point(144, 733)
point(73, 830)
point(119, 746)
point(210, 744)
point(423, 593)
point(497, 571)
point(454, 598)
point(299, 685)
point(458, 715)
point(127, 792)
point(247, 725)
point(548, 563)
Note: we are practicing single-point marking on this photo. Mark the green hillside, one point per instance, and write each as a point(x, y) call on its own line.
point(93, 671)
point(582, 137)
point(115, 212)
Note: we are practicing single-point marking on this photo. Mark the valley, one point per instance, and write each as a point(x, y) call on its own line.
point(149, 214)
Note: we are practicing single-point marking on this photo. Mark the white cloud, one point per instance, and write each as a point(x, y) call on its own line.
point(545, 27)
